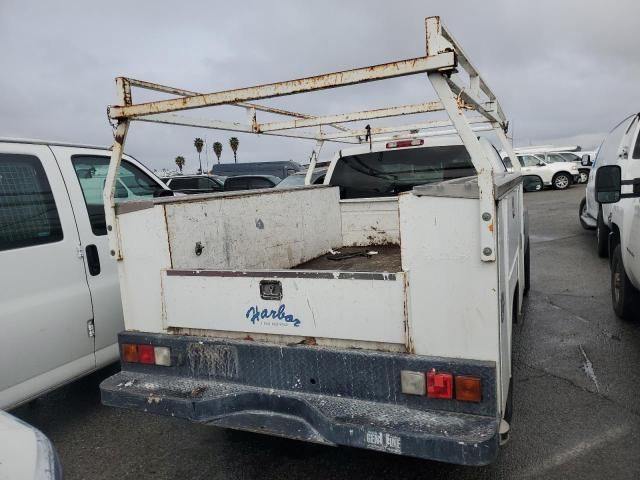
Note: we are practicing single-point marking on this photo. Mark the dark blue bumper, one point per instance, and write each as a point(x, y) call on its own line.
point(265, 388)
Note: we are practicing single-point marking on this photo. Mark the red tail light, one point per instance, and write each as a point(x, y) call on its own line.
point(146, 354)
point(406, 143)
point(439, 385)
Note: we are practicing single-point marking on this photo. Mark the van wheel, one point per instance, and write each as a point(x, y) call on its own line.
point(624, 296)
point(561, 181)
point(602, 236)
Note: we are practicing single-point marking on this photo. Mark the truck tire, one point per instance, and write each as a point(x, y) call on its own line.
point(561, 181)
point(624, 296)
point(602, 236)
point(527, 271)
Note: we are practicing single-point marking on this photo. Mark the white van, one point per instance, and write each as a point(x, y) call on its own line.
point(59, 297)
point(614, 193)
point(614, 147)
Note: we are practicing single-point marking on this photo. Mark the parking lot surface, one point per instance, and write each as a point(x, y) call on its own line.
point(576, 408)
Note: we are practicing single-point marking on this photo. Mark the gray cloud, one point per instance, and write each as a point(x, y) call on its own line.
point(564, 71)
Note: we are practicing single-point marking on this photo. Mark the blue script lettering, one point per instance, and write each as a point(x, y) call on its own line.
point(255, 315)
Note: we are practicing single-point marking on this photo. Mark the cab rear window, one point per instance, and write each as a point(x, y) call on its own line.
point(387, 173)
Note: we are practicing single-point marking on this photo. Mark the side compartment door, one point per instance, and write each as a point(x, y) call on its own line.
point(45, 305)
point(87, 174)
point(509, 240)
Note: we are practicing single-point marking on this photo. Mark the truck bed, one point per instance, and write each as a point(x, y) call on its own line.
point(387, 259)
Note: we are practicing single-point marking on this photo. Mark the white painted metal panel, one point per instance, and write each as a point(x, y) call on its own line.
point(256, 230)
point(452, 294)
point(351, 309)
point(509, 239)
point(145, 251)
point(371, 221)
point(45, 301)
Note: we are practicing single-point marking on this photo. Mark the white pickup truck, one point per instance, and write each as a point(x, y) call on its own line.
point(60, 308)
point(372, 311)
point(614, 192)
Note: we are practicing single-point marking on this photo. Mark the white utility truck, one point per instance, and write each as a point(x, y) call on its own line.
point(372, 311)
point(614, 194)
point(60, 308)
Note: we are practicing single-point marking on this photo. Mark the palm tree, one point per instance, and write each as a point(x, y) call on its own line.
point(217, 149)
point(234, 143)
point(199, 143)
point(180, 162)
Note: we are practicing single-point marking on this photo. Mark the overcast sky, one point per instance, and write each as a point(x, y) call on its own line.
point(564, 71)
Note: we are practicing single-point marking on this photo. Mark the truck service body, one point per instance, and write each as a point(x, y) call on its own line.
point(373, 311)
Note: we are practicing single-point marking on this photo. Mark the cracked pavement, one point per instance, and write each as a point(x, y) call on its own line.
point(576, 409)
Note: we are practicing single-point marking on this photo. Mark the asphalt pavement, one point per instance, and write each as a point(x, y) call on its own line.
point(576, 408)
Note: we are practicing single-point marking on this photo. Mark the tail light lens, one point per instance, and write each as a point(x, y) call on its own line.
point(405, 143)
point(468, 389)
point(439, 385)
point(145, 353)
point(129, 353)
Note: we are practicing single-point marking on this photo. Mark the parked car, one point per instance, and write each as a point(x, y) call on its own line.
point(555, 154)
point(191, 184)
point(558, 175)
point(275, 169)
point(26, 453)
point(60, 308)
point(250, 182)
point(574, 158)
point(298, 179)
point(614, 193)
point(590, 211)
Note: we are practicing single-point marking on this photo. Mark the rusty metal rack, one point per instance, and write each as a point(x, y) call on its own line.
point(443, 64)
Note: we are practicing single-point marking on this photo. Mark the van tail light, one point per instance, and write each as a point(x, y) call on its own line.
point(442, 385)
point(146, 354)
point(439, 385)
point(406, 143)
point(468, 389)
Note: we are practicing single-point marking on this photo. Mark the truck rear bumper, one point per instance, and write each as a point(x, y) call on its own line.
point(310, 392)
point(436, 435)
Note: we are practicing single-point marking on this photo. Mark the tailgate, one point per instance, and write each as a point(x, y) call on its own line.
point(365, 306)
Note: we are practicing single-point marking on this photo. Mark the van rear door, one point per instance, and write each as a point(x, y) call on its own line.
point(45, 305)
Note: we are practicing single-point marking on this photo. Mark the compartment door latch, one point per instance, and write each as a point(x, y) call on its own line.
point(270, 290)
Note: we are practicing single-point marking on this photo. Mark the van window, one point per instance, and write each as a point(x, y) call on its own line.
point(28, 213)
point(387, 173)
point(133, 184)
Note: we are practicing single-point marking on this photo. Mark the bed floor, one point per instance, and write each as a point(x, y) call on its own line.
point(387, 259)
